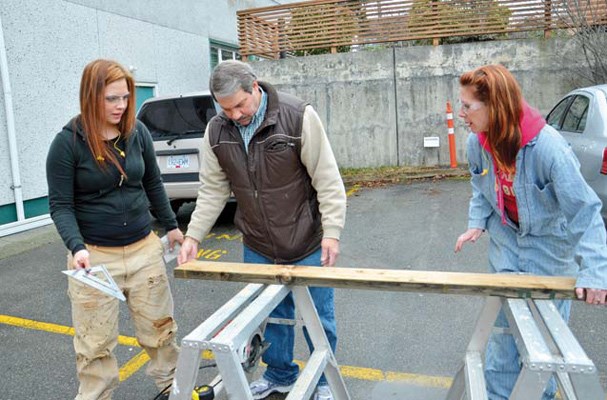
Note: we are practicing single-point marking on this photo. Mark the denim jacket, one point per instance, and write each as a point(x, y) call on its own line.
point(560, 231)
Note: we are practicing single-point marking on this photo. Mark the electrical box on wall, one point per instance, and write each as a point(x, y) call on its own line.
point(431, 141)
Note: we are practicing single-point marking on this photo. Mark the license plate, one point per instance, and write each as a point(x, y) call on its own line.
point(180, 161)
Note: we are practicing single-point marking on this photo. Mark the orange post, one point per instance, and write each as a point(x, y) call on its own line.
point(451, 134)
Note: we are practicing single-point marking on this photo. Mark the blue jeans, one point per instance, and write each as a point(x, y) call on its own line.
point(279, 356)
point(502, 361)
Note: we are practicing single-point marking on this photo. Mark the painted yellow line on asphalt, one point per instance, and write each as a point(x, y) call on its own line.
point(365, 374)
point(40, 326)
point(419, 380)
point(138, 361)
point(352, 190)
point(54, 328)
point(133, 365)
point(377, 375)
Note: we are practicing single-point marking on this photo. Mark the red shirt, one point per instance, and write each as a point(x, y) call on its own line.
point(506, 180)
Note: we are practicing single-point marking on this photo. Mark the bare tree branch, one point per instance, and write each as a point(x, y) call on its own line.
point(586, 21)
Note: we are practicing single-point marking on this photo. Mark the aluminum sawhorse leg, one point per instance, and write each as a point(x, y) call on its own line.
point(470, 378)
point(576, 374)
point(192, 345)
point(546, 346)
point(228, 329)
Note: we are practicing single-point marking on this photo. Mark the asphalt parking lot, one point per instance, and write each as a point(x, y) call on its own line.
point(392, 345)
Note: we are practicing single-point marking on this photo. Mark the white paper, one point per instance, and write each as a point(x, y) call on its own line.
point(168, 254)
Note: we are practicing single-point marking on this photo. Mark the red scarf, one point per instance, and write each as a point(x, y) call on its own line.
point(530, 125)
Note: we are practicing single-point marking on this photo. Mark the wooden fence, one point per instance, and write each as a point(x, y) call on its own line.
point(273, 32)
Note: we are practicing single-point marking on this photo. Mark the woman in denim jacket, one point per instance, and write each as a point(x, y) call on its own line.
point(529, 194)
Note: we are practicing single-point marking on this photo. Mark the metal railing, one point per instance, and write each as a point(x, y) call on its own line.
point(336, 25)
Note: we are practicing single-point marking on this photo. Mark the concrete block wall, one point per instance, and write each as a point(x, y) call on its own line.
point(379, 105)
point(354, 95)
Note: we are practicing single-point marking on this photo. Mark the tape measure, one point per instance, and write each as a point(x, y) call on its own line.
point(204, 392)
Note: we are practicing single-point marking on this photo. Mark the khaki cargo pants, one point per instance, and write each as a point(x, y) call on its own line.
point(140, 272)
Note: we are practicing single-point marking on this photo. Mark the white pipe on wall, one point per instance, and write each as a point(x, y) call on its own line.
point(10, 126)
point(21, 224)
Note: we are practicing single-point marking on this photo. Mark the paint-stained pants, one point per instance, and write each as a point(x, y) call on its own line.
point(140, 272)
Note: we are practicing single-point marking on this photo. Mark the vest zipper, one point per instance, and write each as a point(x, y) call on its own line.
point(236, 134)
point(250, 157)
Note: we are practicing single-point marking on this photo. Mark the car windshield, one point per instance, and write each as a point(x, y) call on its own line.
point(183, 117)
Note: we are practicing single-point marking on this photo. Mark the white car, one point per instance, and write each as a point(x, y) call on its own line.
point(177, 125)
point(581, 117)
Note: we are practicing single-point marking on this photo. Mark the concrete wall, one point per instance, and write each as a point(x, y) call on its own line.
point(379, 105)
point(49, 42)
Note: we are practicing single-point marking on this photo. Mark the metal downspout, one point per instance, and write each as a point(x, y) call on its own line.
point(10, 126)
point(21, 224)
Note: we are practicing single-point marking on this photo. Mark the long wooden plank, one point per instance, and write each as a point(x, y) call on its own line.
point(505, 285)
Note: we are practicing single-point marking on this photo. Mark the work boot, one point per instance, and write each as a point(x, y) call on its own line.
point(323, 392)
point(262, 388)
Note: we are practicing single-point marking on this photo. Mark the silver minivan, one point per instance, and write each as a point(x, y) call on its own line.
point(177, 124)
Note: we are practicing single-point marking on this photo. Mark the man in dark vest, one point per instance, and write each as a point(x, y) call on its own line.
point(270, 149)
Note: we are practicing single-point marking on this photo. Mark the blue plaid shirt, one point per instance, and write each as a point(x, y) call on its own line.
point(248, 131)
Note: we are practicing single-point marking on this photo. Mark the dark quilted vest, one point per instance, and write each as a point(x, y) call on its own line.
point(277, 206)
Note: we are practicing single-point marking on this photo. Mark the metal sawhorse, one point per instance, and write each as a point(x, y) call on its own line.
point(546, 346)
point(226, 334)
point(545, 343)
